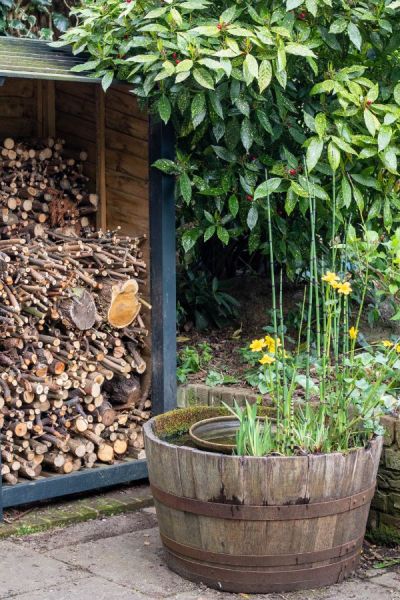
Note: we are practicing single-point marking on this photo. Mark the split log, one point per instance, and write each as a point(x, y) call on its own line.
point(124, 305)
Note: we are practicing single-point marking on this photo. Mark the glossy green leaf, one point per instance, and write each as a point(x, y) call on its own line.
point(298, 49)
point(225, 154)
point(359, 198)
point(107, 80)
point(314, 152)
point(164, 108)
point(204, 78)
point(384, 137)
point(223, 234)
point(246, 134)
point(290, 201)
point(252, 217)
point(266, 188)
point(387, 215)
point(346, 192)
point(250, 68)
point(264, 75)
point(371, 121)
point(185, 187)
point(333, 156)
point(292, 4)
point(184, 65)
point(389, 159)
point(354, 35)
point(233, 205)
point(396, 93)
point(209, 232)
point(320, 124)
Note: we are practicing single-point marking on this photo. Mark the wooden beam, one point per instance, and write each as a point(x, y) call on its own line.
point(163, 272)
point(74, 483)
point(101, 158)
point(39, 108)
point(50, 108)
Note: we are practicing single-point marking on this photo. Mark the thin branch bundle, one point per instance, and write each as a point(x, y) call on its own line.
point(72, 336)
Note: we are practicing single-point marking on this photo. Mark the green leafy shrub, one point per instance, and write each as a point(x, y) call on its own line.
point(251, 86)
point(378, 256)
point(192, 360)
point(40, 18)
point(204, 299)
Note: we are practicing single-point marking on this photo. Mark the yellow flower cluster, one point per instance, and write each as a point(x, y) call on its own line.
point(269, 344)
point(389, 344)
point(267, 359)
point(342, 287)
point(353, 333)
point(257, 345)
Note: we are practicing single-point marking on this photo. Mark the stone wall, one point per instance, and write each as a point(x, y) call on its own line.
point(384, 518)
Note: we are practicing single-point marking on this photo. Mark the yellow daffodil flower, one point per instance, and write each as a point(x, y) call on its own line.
point(330, 277)
point(257, 345)
point(387, 344)
point(271, 345)
point(397, 348)
point(353, 333)
point(266, 360)
point(344, 288)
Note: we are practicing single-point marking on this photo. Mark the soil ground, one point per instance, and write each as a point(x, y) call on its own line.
point(121, 558)
point(254, 295)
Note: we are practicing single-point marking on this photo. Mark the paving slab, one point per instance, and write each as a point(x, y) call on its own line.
point(89, 531)
point(91, 588)
point(390, 579)
point(132, 559)
point(357, 590)
point(121, 558)
point(24, 570)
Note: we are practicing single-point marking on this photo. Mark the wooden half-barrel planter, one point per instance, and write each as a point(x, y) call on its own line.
point(258, 525)
point(40, 97)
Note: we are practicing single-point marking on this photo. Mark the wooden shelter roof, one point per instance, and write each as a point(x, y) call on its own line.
point(36, 59)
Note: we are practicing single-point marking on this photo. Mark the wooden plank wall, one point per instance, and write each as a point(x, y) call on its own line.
point(124, 134)
point(110, 128)
point(18, 109)
point(114, 132)
point(127, 171)
point(76, 122)
point(127, 168)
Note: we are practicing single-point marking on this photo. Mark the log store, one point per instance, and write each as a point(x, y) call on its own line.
point(87, 277)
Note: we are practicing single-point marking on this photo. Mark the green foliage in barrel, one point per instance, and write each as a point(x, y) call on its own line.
point(256, 86)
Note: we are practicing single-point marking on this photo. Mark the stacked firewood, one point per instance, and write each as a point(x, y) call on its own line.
point(40, 189)
point(73, 380)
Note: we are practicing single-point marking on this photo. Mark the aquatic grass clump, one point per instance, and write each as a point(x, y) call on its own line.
point(344, 389)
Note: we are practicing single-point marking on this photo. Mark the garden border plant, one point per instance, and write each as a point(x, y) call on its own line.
point(330, 446)
point(41, 18)
point(250, 85)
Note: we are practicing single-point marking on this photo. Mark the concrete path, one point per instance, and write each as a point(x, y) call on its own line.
point(120, 558)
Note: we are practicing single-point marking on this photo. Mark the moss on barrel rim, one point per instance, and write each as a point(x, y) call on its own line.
point(179, 421)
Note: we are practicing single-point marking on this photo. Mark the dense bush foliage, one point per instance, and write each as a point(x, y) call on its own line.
point(40, 18)
point(253, 86)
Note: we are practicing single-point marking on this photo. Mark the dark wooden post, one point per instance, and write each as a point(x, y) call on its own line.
point(1, 486)
point(163, 271)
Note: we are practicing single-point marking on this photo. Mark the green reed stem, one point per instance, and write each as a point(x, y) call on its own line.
point(274, 314)
point(286, 405)
point(314, 274)
point(309, 318)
